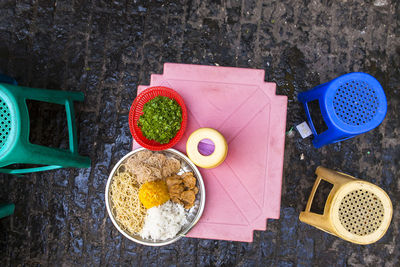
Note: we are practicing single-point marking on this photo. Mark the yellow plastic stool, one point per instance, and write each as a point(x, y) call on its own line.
point(355, 210)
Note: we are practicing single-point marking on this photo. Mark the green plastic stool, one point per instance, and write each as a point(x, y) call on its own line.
point(14, 131)
point(6, 210)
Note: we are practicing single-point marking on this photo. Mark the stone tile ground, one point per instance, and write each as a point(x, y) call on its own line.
point(106, 48)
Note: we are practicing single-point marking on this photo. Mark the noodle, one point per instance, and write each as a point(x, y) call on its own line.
point(126, 206)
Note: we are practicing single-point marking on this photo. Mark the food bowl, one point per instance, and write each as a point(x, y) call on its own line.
point(194, 213)
point(137, 110)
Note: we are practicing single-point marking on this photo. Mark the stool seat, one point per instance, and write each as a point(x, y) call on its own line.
point(350, 105)
point(355, 210)
point(15, 147)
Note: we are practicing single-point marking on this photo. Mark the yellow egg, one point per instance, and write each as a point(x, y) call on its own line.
point(153, 194)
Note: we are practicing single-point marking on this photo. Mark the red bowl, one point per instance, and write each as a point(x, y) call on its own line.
point(137, 110)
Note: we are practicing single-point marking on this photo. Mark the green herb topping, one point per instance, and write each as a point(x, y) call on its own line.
point(161, 119)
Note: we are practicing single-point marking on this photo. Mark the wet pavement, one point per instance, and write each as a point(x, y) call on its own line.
point(106, 48)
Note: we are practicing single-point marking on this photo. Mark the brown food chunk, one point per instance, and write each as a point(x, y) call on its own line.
point(183, 175)
point(155, 172)
point(188, 197)
point(143, 155)
point(195, 190)
point(156, 160)
point(176, 190)
point(173, 180)
point(189, 181)
point(188, 206)
point(145, 173)
point(176, 200)
point(171, 166)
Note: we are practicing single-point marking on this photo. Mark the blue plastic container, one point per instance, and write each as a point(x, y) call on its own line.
point(350, 105)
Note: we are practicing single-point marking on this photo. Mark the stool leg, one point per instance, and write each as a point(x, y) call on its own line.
point(51, 96)
point(314, 219)
point(63, 98)
point(37, 154)
point(72, 134)
point(66, 98)
point(313, 94)
point(6, 210)
point(29, 170)
point(310, 217)
point(312, 194)
point(305, 97)
point(326, 137)
point(317, 93)
point(333, 177)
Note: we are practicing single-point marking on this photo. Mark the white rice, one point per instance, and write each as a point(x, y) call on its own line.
point(164, 221)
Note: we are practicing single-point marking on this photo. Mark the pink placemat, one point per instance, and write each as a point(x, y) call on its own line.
point(245, 190)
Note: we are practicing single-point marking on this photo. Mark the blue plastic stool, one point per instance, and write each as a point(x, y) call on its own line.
point(350, 105)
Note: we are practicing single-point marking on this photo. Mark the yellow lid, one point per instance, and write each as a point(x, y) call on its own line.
point(210, 161)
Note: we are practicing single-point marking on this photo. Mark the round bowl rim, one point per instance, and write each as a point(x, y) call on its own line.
point(187, 229)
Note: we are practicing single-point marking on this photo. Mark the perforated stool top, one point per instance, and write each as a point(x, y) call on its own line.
point(361, 212)
point(356, 102)
point(5, 123)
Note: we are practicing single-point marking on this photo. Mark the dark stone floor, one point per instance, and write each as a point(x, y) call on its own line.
point(106, 48)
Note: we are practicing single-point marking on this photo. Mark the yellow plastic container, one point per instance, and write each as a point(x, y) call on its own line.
point(355, 210)
point(215, 158)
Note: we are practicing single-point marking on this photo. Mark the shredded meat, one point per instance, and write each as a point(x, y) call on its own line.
point(170, 166)
point(156, 160)
point(141, 156)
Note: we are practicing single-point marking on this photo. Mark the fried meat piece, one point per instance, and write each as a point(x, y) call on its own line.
point(188, 197)
point(183, 175)
point(173, 180)
point(182, 189)
point(195, 190)
point(176, 190)
point(189, 181)
point(176, 200)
